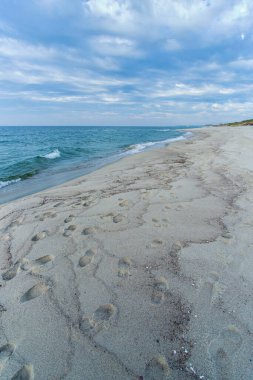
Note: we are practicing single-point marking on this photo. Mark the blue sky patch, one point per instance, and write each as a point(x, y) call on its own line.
point(125, 62)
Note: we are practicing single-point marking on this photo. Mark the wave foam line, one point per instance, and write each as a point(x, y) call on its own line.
point(52, 155)
point(137, 148)
point(7, 183)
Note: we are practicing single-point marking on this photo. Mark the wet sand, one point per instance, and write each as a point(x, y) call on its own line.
point(140, 270)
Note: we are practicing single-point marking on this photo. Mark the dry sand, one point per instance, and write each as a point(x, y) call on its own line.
point(141, 270)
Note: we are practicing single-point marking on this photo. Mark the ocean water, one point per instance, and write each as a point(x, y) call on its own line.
point(36, 158)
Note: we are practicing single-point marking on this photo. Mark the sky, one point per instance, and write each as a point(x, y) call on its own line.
point(125, 62)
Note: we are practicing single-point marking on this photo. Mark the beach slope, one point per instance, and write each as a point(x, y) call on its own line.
point(140, 270)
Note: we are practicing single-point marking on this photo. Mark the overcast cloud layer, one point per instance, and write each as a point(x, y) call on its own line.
point(125, 62)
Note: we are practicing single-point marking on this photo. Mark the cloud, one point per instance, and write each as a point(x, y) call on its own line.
point(186, 15)
point(144, 60)
point(10, 47)
point(114, 15)
point(241, 63)
point(185, 90)
point(117, 10)
point(159, 19)
point(114, 46)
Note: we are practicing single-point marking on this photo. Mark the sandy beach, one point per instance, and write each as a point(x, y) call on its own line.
point(140, 270)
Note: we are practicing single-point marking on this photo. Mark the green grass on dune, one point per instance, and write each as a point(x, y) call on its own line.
point(239, 123)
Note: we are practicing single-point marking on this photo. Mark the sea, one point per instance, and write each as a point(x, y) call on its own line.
point(35, 158)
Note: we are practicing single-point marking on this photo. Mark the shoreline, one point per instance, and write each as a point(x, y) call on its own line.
point(141, 269)
point(38, 188)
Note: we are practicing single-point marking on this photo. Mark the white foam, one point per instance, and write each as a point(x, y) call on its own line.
point(179, 138)
point(137, 148)
point(52, 155)
point(7, 183)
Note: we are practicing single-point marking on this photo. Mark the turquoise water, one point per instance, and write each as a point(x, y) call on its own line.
point(35, 158)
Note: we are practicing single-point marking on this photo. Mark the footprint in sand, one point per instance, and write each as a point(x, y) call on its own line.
point(211, 289)
point(160, 289)
point(87, 324)
point(155, 243)
point(69, 230)
point(101, 316)
point(117, 219)
point(157, 222)
point(5, 352)
point(39, 236)
point(158, 241)
point(46, 215)
point(27, 265)
point(109, 215)
point(87, 258)
point(69, 218)
point(222, 350)
point(44, 259)
point(157, 368)
point(25, 373)
point(11, 273)
point(89, 231)
point(227, 235)
point(124, 267)
point(72, 227)
point(123, 203)
point(104, 312)
point(36, 291)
